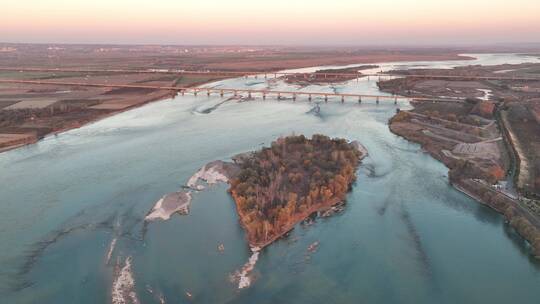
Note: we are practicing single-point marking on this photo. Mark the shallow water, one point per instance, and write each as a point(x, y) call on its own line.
point(405, 236)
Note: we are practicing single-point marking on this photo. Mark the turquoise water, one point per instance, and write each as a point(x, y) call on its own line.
point(405, 236)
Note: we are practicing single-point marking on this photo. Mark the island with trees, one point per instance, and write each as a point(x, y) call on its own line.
point(276, 187)
point(281, 185)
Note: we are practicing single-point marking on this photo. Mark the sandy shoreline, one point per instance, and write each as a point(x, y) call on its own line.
point(179, 202)
point(123, 286)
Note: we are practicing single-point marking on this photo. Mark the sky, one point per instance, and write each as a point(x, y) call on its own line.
point(275, 22)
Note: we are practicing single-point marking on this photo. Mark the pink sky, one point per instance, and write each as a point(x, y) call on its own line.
point(271, 21)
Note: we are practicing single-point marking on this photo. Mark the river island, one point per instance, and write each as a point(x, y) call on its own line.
point(276, 187)
point(279, 186)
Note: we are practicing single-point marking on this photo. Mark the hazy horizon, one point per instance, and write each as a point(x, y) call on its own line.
point(280, 22)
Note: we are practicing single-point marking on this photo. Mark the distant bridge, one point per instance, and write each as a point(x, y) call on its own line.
point(325, 75)
point(235, 92)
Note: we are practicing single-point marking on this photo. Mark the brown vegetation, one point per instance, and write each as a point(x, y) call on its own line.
point(281, 185)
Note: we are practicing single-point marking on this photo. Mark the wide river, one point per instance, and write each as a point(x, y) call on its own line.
point(405, 236)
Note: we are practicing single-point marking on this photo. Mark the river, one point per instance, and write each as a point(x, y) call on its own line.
point(72, 210)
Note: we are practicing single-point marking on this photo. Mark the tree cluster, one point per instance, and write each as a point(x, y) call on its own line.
point(283, 183)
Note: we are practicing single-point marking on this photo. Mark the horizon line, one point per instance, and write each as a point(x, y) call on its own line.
point(210, 44)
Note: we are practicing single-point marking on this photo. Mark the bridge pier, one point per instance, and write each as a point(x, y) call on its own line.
point(342, 99)
point(377, 100)
point(249, 94)
point(195, 92)
point(359, 99)
point(278, 96)
point(294, 97)
point(264, 95)
point(235, 93)
point(325, 98)
point(221, 93)
point(208, 92)
point(395, 100)
point(309, 97)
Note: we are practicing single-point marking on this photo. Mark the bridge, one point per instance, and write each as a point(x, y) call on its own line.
point(251, 93)
point(269, 74)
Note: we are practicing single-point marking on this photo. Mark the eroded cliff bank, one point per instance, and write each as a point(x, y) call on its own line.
point(472, 147)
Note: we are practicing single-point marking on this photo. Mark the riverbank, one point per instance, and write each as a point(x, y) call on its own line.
point(518, 217)
point(73, 107)
point(476, 159)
